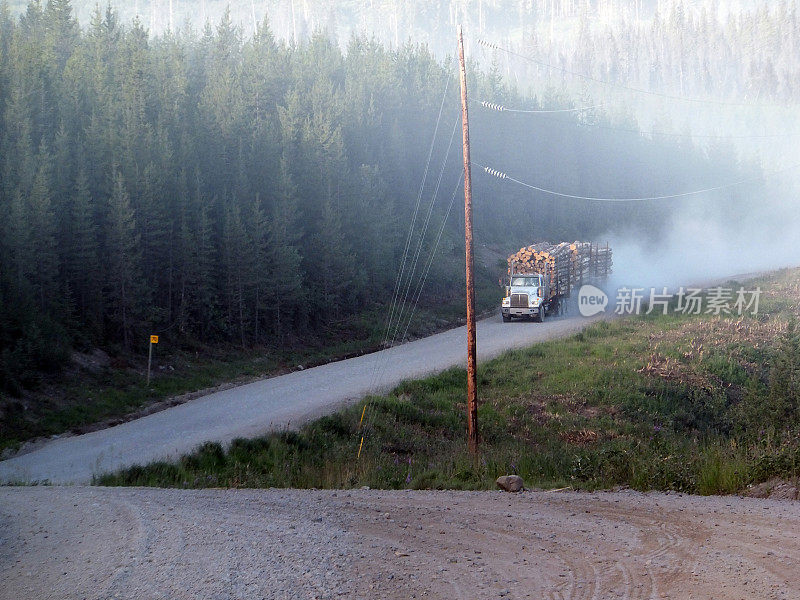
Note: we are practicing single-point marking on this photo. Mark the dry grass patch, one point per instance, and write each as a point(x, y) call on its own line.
point(674, 370)
point(580, 437)
point(696, 337)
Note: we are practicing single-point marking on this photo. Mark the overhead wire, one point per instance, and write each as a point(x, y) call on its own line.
point(369, 419)
point(418, 292)
point(502, 108)
point(621, 86)
point(399, 279)
point(640, 132)
point(427, 219)
point(432, 256)
point(504, 176)
point(409, 237)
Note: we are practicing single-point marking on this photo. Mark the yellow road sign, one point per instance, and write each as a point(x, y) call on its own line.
point(153, 339)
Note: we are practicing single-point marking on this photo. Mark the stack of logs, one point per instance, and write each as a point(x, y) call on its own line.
point(568, 264)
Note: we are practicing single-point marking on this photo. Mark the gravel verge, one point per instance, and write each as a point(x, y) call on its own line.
point(83, 542)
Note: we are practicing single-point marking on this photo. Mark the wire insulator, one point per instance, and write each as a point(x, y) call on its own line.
point(493, 106)
point(495, 173)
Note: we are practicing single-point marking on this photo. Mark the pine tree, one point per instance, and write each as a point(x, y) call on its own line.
point(155, 222)
point(84, 274)
point(7, 27)
point(334, 265)
point(257, 232)
point(183, 256)
point(380, 234)
point(19, 244)
point(62, 31)
point(195, 265)
point(43, 242)
point(62, 188)
point(125, 291)
point(238, 257)
point(19, 164)
point(204, 263)
point(286, 291)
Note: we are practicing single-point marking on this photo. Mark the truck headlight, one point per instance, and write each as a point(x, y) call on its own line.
point(534, 301)
point(507, 301)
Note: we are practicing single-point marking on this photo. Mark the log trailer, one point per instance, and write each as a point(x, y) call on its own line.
point(542, 275)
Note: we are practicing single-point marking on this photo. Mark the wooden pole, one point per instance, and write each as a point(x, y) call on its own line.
point(472, 373)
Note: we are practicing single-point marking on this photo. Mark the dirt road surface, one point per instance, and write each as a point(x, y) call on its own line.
point(98, 543)
point(269, 404)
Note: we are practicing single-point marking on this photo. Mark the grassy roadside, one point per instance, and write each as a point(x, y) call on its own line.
point(699, 404)
point(79, 400)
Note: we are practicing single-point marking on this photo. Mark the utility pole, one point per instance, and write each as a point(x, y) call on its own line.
point(472, 372)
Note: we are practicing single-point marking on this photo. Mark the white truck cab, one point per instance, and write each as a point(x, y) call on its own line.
point(526, 296)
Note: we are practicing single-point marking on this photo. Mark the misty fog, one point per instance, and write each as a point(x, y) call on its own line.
point(724, 52)
point(252, 172)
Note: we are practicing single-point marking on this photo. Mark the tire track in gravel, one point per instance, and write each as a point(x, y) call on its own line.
point(660, 544)
point(655, 551)
point(585, 581)
point(136, 533)
point(776, 563)
point(747, 550)
point(98, 543)
point(575, 577)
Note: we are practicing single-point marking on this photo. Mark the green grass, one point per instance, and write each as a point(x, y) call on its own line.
point(73, 401)
point(650, 403)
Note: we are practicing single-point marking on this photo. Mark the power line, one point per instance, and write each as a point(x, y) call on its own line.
point(502, 175)
point(370, 418)
point(502, 108)
point(432, 256)
point(399, 279)
point(425, 226)
point(400, 275)
point(401, 299)
point(621, 86)
point(368, 415)
point(713, 136)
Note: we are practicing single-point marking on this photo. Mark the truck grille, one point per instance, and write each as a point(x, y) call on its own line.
point(519, 300)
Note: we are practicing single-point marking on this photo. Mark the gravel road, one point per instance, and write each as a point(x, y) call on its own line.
point(269, 404)
point(99, 543)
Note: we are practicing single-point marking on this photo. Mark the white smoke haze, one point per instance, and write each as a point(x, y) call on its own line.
point(701, 247)
point(699, 244)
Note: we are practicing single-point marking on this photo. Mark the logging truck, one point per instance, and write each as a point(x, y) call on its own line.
point(541, 276)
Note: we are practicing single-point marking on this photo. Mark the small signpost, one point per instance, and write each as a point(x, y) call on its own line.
point(153, 341)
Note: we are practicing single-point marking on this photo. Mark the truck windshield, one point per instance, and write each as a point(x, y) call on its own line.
point(525, 281)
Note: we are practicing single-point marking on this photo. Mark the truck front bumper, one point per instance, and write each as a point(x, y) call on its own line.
point(519, 312)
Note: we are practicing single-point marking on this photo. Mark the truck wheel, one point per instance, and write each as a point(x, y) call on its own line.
point(506, 318)
point(540, 315)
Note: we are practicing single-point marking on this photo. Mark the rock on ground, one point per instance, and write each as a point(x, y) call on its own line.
point(510, 483)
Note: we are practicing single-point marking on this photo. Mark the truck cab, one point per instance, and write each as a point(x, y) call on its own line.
point(525, 296)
